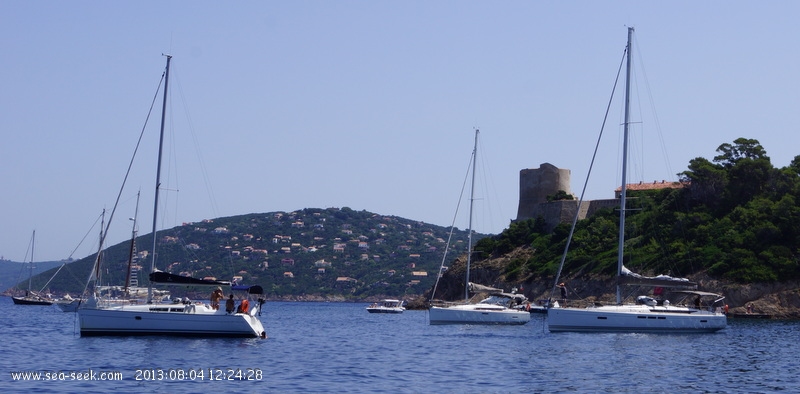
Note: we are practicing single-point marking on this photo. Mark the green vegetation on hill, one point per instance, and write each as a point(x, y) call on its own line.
point(311, 252)
point(737, 218)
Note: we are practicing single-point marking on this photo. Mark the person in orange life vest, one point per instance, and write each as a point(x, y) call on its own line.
point(244, 306)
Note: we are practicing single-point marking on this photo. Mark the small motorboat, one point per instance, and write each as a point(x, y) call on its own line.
point(386, 306)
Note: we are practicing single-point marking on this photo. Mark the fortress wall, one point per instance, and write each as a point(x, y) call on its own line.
point(538, 183)
point(595, 205)
point(557, 212)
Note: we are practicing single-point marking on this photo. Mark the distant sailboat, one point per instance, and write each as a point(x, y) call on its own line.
point(647, 314)
point(178, 319)
point(492, 310)
point(32, 297)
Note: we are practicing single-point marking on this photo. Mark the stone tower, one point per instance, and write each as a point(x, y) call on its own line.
point(538, 183)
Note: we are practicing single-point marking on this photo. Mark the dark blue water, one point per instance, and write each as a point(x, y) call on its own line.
point(333, 347)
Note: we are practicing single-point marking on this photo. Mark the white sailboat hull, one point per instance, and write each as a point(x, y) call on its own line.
point(165, 319)
point(635, 318)
point(477, 314)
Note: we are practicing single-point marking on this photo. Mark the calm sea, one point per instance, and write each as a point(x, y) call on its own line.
point(339, 347)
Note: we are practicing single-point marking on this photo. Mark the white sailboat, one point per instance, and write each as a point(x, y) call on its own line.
point(495, 309)
point(647, 314)
point(177, 318)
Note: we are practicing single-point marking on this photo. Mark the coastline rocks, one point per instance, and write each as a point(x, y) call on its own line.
point(780, 300)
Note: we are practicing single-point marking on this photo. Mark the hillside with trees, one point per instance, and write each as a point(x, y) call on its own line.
point(307, 254)
point(736, 218)
point(734, 226)
point(734, 223)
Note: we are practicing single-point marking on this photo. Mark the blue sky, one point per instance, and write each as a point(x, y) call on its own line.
point(372, 105)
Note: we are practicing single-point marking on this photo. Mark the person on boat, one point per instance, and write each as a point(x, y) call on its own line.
point(230, 305)
point(563, 292)
point(697, 302)
point(244, 306)
point(261, 302)
point(216, 297)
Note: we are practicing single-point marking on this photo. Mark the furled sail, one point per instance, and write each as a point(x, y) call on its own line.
point(631, 278)
point(476, 288)
point(172, 279)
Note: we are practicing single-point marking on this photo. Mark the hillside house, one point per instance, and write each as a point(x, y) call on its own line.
point(419, 273)
point(322, 263)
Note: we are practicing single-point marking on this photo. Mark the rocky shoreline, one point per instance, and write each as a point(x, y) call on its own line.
point(779, 300)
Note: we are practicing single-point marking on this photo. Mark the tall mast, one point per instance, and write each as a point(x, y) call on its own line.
point(30, 266)
point(158, 179)
point(623, 189)
point(133, 243)
point(99, 258)
point(471, 199)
